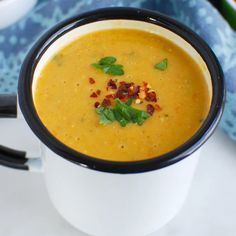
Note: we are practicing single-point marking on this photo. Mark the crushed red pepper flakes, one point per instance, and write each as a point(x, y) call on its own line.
point(150, 109)
point(157, 107)
point(151, 96)
point(136, 91)
point(91, 80)
point(110, 96)
point(145, 84)
point(125, 91)
point(122, 95)
point(122, 82)
point(93, 95)
point(96, 104)
point(111, 84)
point(125, 99)
point(106, 103)
point(142, 94)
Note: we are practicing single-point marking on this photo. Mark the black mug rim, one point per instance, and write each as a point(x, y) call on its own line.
point(174, 156)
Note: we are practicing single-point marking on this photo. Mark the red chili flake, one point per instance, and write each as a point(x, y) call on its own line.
point(122, 82)
point(133, 91)
point(93, 95)
point(91, 80)
point(126, 99)
point(136, 91)
point(98, 92)
point(125, 84)
point(96, 104)
point(110, 96)
point(142, 94)
point(157, 107)
point(111, 84)
point(123, 90)
point(151, 97)
point(145, 85)
point(106, 102)
point(121, 94)
point(150, 109)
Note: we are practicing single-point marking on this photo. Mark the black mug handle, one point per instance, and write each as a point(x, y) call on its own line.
point(8, 106)
point(11, 157)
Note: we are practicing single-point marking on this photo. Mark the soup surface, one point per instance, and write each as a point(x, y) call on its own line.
point(77, 93)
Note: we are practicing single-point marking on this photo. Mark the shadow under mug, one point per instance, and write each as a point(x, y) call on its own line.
point(100, 197)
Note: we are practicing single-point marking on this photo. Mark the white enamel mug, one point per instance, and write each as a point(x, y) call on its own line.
point(105, 198)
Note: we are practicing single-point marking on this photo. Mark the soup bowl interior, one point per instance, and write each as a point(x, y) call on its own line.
point(67, 32)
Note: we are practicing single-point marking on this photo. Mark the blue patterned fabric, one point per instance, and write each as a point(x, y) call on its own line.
point(199, 15)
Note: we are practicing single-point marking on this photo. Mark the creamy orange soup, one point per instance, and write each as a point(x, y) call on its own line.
point(70, 87)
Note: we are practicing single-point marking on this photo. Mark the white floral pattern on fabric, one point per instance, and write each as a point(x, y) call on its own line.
point(200, 16)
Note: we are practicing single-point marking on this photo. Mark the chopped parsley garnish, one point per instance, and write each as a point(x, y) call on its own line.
point(106, 115)
point(129, 102)
point(107, 60)
point(162, 65)
point(122, 113)
point(108, 66)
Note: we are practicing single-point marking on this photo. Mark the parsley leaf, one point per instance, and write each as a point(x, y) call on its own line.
point(124, 109)
point(141, 116)
point(106, 64)
point(114, 70)
point(123, 122)
point(129, 102)
point(162, 65)
point(131, 114)
point(106, 115)
point(107, 60)
point(97, 66)
point(122, 113)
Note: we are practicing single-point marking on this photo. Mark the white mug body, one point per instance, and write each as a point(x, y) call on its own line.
point(105, 204)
